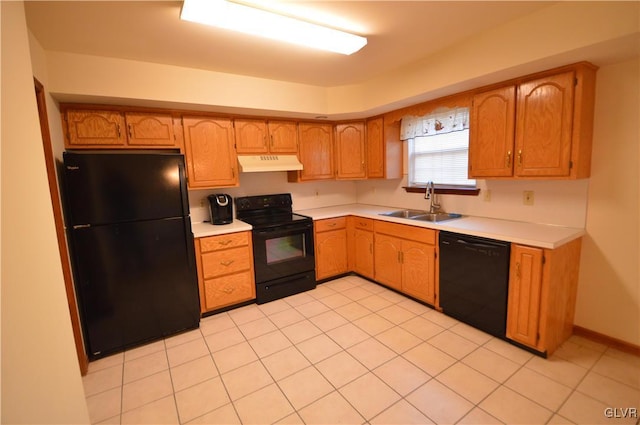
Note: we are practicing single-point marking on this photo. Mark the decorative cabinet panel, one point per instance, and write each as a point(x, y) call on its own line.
point(542, 295)
point(331, 247)
point(350, 152)
point(210, 154)
point(94, 129)
point(538, 128)
point(315, 152)
point(264, 137)
point(225, 270)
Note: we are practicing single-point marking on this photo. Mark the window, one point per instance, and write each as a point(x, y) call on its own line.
point(438, 148)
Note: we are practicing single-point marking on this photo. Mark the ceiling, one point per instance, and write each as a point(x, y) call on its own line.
point(399, 34)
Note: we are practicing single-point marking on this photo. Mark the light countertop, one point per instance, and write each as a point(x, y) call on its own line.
point(538, 235)
point(203, 229)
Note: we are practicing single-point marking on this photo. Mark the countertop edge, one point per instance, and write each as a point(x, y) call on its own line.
point(504, 230)
point(205, 228)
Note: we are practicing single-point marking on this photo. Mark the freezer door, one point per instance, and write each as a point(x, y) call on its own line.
point(136, 282)
point(108, 187)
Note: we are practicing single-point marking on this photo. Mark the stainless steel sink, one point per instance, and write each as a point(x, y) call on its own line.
point(436, 217)
point(405, 213)
point(421, 215)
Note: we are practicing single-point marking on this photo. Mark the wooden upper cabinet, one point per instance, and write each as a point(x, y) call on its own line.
point(210, 154)
point(491, 133)
point(94, 129)
point(350, 152)
point(315, 152)
point(544, 126)
point(283, 137)
point(150, 129)
point(264, 137)
point(251, 136)
point(551, 134)
point(375, 148)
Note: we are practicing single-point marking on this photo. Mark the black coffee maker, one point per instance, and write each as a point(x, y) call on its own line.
point(220, 208)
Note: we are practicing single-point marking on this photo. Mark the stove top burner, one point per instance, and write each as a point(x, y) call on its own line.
point(268, 210)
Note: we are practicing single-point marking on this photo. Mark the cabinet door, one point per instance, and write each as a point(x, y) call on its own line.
point(375, 148)
point(211, 158)
point(350, 151)
point(150, 129)
point(491, 133)
point(363, 247)
point(331, 253)
point(544, 126)
point(228, 290)
point(283, 137)
point(386, 252)
point(316, 151)
point(251, 136)
point(525, 285)
point(418, 270)
point(95, 129)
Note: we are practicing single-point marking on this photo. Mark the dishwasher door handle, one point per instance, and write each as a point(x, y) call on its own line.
point(476, 244)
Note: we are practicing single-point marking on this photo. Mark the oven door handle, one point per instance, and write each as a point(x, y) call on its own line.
point(283, 229)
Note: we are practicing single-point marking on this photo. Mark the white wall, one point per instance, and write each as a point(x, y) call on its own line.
point(41, 380)
point(609, 289)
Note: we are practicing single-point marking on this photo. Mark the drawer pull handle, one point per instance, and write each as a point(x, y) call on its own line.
point(520, 157)
point(226, 263)
point(225, 242)
point(334, 224)
point(228, 290)
point(508, 164)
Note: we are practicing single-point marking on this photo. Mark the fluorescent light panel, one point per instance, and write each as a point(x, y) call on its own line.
point(249, 20)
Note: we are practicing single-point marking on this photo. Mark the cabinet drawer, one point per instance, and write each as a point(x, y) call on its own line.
point(217, 243)
point(331, 224)
point(229, 290)
point(363, 223)
point(218, 263)
point(413, 233)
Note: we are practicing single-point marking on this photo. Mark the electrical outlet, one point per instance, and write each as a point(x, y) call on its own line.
point(527, 197)
point(317, 192)
point(487, 195)
point(203, 202)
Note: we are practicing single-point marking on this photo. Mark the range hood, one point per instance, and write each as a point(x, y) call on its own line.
point(259, 163)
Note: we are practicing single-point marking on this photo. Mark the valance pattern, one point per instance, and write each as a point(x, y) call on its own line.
point(438, 122)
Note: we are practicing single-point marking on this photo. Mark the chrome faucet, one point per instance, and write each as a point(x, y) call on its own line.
point(430, 194)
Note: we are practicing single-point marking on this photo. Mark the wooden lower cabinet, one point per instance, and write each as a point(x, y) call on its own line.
point(331, 247)
point(405, 259)
point(360, 240)
point(225, 270)
point(542, 295)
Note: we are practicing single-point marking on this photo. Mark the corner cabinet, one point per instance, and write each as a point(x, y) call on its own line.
point(536, 128)
point(350, 154)
point(210, 153)
point(315, 152)
point(225, 270)
point(542, 295)
point(330, 240)
point(110, 129)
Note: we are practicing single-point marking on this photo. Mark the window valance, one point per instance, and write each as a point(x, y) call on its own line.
point(440, 121)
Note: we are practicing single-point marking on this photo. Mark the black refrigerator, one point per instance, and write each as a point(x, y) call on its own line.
point(132, 251)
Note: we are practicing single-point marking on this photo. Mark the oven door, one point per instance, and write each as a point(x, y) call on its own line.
point(283, 251)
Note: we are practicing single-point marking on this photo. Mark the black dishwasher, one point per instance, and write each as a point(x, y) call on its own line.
point(474, 281)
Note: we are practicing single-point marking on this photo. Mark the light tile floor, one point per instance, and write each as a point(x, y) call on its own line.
point(354, 352)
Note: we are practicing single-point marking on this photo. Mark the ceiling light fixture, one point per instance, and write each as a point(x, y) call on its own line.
point(249, 20)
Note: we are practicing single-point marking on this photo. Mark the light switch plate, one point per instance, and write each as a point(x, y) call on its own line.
point(527, 197)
